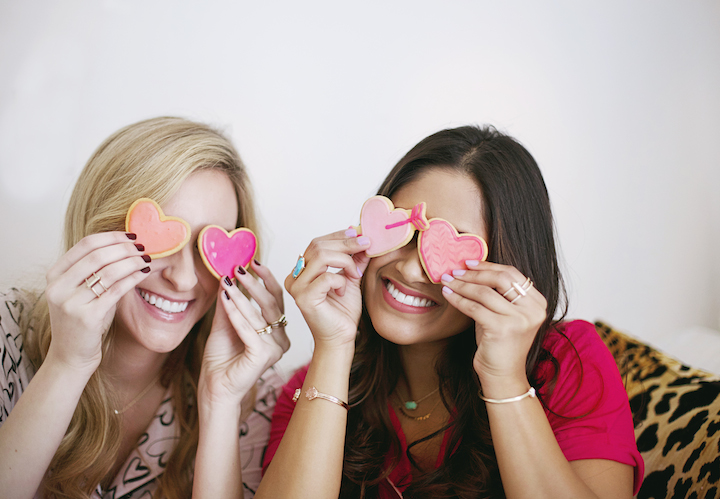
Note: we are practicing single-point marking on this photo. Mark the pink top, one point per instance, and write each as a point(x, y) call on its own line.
point(593, 391)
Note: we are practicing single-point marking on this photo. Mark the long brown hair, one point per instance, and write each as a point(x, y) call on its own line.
point(151, 159)
point(516, 212)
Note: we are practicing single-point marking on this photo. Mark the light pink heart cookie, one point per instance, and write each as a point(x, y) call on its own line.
point(223, 252)
point(443, 250)
point(161, 235)
point(387, 227)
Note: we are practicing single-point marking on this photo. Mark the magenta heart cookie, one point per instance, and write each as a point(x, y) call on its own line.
point(443, 250)
point(222, 251)
point(387, 227)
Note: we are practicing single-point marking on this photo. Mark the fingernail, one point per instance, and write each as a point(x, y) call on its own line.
point(145, 270)
point(359, 271)
point(147, 258)
point(471, 263)
point(140, 247)
point(131, 236)
point(351, 232)
point(256, 262)
point(227, 281)
point(363, 240)
point(227, 296)
point(241, 270)
point(447, 290)
point(457, 273)
point(447, 278)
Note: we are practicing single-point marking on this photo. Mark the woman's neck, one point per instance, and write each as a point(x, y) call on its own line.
point(418, 361)
point(130, 366)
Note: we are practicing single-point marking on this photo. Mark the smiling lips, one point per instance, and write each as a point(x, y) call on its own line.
point(408, 300)
point(170, 307)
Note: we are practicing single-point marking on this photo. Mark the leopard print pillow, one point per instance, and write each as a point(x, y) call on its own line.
point(676, 411)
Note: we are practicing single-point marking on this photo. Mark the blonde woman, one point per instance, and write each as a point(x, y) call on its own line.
point(116, 393)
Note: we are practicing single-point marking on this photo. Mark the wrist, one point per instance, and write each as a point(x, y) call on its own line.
point(75, 372)
point(503, 386)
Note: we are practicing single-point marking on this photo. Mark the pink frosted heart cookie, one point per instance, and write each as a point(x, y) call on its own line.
point(222, 251)
point(161, 235)
point(387, 227)
point(443, 250)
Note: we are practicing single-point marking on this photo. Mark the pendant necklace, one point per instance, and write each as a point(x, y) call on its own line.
point(138, 396)
point(411, 405)
point(419, 418)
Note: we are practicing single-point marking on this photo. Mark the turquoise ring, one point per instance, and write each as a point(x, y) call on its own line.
point(299, 267)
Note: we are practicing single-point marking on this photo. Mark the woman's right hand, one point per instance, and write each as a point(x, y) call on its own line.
point(78, 317)
point(331, 302)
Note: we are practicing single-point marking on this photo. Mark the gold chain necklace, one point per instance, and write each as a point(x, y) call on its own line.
point(418, 418)
point(138, 396)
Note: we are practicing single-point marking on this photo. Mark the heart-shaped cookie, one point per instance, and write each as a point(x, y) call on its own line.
point(161, 235)
point(443, 250)
point(224, 251)
point(387, 227)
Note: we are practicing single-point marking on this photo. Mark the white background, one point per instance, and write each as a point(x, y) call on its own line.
point(619, 102)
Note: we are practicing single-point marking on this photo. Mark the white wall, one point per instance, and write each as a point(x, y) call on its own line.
point(618, 101)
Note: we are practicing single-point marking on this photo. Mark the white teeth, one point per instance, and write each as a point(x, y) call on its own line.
point(172, 307)
point(414, 301)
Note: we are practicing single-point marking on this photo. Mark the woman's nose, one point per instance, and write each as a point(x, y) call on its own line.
point(180, 271)
point(409, 263)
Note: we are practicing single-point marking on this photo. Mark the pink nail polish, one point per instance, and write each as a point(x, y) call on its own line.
point(351, 232)
point(458, 273)
point(447, 290)
point(359, 271)
point(447, 278)
point(471, 263)
point(363, 240)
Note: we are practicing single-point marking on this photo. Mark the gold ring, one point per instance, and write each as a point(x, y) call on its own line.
point(281, 322)
point(265, 330)
point(299, 267)
point(91, 283)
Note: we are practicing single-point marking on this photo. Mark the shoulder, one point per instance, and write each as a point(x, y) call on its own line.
point(17, 371)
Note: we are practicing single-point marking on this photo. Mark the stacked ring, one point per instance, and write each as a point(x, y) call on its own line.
point(281, 322)
point(520, 289)
point(265, 330)
point(91, 283)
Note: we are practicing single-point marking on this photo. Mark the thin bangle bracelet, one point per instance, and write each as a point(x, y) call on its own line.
point(313, 394)
point(529, 393)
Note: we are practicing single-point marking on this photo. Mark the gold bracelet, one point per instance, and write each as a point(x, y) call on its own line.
point(529, 393)
point(313, 394)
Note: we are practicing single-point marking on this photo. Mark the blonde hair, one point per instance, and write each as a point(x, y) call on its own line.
point(151, 159)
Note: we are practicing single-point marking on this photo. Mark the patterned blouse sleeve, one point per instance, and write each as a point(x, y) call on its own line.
point(255, 431)
point(16, 369)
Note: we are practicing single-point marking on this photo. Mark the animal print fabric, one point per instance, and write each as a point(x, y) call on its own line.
point(676, 412)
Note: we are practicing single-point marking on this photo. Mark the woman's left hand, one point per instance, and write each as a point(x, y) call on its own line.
point(504, 331)
point(235, 354)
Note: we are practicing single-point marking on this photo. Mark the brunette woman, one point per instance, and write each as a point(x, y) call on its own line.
point(471, 387)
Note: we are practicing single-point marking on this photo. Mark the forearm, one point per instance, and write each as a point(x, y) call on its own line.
point(218, 467)
point(530, 460)
point(37, 424)
point(309, 460)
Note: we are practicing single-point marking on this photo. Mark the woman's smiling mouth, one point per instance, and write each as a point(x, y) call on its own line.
point(170, 307)
point(403, 301)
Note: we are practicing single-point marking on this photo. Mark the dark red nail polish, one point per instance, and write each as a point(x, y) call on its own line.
point(131, 236)
point(140, 247)
point(241, 270)
point(227, 281)
point(147, 258)
point(256, 262)
point(145, 270)
point(227, 296)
